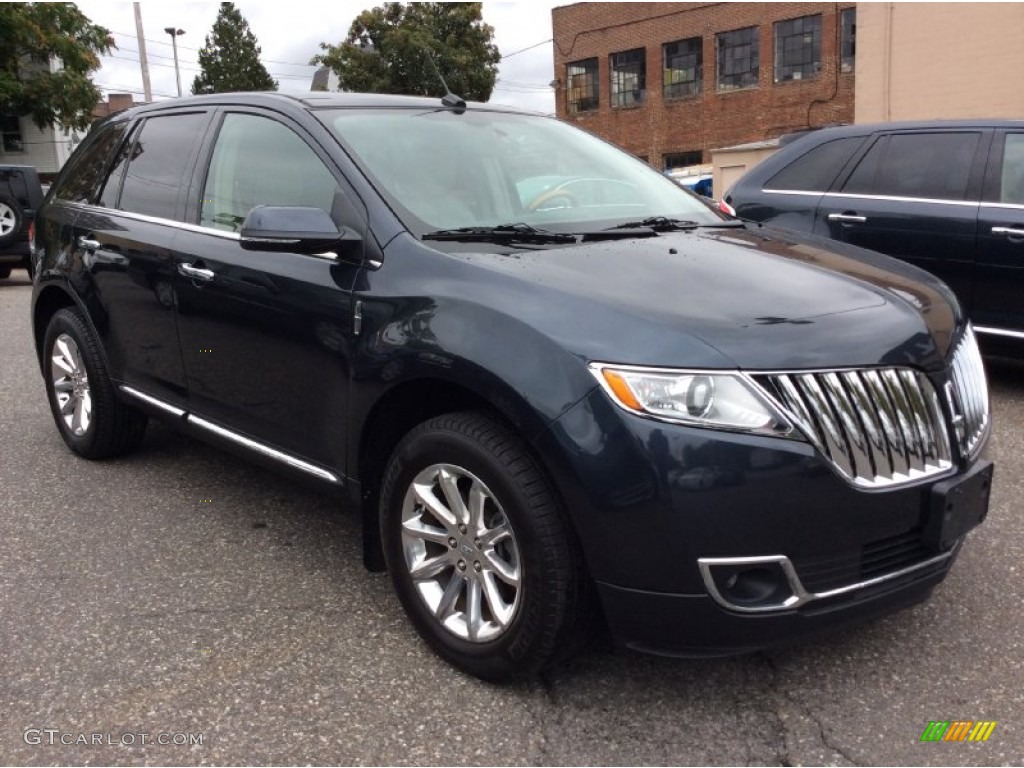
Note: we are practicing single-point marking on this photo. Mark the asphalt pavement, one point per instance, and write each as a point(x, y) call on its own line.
point(180, 595)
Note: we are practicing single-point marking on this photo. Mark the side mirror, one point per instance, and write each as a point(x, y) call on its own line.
point(296, 229)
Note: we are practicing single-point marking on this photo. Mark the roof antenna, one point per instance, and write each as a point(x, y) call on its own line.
point(450, 100)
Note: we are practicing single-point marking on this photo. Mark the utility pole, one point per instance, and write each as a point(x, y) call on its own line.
point(175, 33)
point(142, 53)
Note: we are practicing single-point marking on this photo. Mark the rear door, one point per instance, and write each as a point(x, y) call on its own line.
point(124, 239)
point(266, 336)
point(915, 196)
point(999, 292)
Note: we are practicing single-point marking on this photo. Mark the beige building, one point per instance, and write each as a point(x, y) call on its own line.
point(923, 61)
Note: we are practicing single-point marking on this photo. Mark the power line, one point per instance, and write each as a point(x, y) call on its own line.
point(190, 48)
point(527, 48)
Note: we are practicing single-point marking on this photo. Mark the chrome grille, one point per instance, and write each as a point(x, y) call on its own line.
point(877, 427)
point(970, 394)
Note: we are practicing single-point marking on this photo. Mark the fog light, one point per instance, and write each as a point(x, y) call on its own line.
point(753, 583)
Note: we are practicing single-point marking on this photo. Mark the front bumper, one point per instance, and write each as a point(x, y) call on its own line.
point(651, 501)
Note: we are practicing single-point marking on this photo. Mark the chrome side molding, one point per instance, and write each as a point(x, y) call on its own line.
point(252, 445)
point(167, 407)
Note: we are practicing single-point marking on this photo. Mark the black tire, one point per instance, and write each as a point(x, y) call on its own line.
point(552, 603)
point(11, 219)
point(113, 427)
point(5, 272)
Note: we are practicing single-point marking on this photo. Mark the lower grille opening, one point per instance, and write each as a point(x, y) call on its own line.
point(874, 559)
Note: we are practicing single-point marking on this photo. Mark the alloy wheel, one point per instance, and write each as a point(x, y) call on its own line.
point(71, 385)
point(461, 553)
point(8, 219)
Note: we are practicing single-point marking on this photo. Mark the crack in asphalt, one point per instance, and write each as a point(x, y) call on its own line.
point(782, 732)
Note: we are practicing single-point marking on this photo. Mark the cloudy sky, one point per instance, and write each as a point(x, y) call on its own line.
point(290, 33)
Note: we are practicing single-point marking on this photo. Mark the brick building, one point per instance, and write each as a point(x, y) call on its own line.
point(672, 81)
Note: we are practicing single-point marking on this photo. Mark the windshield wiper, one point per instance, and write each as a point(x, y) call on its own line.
point(658, 224)
point(519, 232)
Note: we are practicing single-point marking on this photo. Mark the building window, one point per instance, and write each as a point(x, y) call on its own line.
point(582, 91)
point(10, 126)
point(738, 59)
point(684, 63)
point(848, 45)
point(681, 159)
point(629, 77)
point(797, 48)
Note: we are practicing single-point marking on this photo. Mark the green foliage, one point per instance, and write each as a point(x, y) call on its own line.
point(230, 61)
point(32, 33)
point(388, 50)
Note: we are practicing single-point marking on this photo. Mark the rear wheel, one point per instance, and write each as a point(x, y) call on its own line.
point(5, 272)
point(88, 414)
point(479, 549)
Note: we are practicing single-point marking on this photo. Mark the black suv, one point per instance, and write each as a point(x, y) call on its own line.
point(20, 198)
point(551, 380)
point(947, 196)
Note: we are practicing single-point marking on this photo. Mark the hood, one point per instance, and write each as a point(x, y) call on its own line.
point(725, 298)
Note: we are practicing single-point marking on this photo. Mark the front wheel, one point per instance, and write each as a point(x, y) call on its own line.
point(479, 549)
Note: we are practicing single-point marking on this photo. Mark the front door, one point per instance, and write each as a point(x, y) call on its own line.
point(265, 337)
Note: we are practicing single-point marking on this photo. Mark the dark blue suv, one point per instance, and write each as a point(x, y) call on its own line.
point(550, 380)
point(947, 196)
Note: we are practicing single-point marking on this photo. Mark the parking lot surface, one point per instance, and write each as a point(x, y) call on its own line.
point(181, 595)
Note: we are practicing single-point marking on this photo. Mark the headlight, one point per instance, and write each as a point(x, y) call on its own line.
point(700, 399)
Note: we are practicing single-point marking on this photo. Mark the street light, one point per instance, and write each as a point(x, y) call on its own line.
point(175, 34)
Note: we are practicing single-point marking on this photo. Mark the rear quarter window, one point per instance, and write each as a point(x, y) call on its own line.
point(817, 169)
point(81, 182)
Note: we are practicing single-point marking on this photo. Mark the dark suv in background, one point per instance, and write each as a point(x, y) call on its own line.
point(546, 375)
point(20, 197)
point(947, 196)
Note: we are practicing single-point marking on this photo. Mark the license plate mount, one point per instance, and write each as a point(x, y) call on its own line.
point(958, 505)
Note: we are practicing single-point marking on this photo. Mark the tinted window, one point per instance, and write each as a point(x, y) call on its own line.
point(924, 165)
point(816, 170)
point(112, 186)
point(1011, 188)
point(258, 161)
point(80, 183)
point(157, 164)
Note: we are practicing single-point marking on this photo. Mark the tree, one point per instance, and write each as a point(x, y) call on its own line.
point(388, 50)
point(31, 36)
point(230, 60)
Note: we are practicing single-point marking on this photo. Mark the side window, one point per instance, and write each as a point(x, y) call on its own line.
point(259, 161)
point(157, 163)
point(83, 178)
point(112, 185)
point(921, 165)
point(1011, 187)
point(816, 170)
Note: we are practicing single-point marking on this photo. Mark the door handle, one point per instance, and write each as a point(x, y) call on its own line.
point(1008, 231)
point(195, 273)
point(849, 218)
point(88, 244)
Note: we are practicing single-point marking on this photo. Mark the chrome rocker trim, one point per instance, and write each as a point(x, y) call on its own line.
point(234, 437)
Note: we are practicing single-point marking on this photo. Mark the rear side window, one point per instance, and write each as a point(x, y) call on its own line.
point(157, 164)
point(79, 185)
point(258, 161)
point(1011, 188)
point(920, 165)
point(816, 170)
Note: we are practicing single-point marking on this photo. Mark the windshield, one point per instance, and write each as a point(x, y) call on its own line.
point(440, 170)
